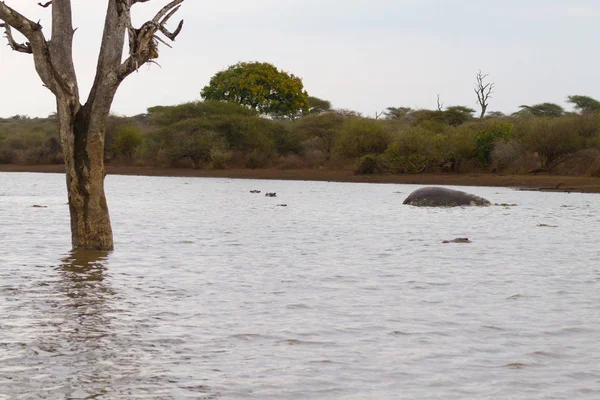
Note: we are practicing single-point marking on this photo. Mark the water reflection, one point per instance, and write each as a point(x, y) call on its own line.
point(83, 341)
point(82, 275)
point(61, 330)
point(82, 282)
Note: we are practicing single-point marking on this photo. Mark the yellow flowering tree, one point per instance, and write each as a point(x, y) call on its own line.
point(261, 87)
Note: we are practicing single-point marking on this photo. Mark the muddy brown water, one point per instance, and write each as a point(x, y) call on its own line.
point(214, 292)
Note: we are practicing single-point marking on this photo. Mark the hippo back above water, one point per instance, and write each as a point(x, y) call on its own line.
point(442, 197)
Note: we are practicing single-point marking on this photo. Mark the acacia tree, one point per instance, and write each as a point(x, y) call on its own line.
point(584, 104)
point(82, 127)
point(542, 110)
point(317, 105)
point(397, 112)
point(457, 115)
point(483, 91)
point(260, 86)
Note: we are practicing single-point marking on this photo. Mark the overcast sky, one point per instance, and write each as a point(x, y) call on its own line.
point(363, 55)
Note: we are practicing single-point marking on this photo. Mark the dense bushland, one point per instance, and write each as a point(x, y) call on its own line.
point(215, 134)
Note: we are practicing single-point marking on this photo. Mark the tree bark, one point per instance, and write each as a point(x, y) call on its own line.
point(83, 151)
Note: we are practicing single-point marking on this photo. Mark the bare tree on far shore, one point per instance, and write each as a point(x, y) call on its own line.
point(483, 91)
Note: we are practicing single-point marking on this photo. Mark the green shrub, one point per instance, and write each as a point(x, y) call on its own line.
point(437, 119)
point(323, 127)
point(459, 145)
point(413, 150)
point(219, 158)
point(551, 138)
point(152, 148)
point(7, 155)
point(25, 140)
point(286, 140)
point(458, 115)
point(126, 140)
point(192, 140)
point(257, 159)
point(234, 127)
point(360, 136)
point(211, 109)
point(34, 155)
point(248, 133)
point(430, 117)
point(511, 156)
point(491, 133)
point(30, 147)
point(369, 164)
point(410, 163)
point(124, 127)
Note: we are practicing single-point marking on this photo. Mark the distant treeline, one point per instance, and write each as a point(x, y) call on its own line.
point(216, 134)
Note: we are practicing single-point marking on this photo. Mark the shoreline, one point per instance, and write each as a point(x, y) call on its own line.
point(540, 182)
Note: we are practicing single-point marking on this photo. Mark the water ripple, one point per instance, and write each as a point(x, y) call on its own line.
point(215, 293)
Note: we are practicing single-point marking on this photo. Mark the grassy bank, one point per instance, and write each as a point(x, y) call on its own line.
point(543, 182)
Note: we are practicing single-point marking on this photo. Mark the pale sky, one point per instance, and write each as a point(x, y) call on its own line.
point(363, 55)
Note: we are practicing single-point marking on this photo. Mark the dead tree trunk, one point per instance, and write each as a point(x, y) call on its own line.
point(82, 128)
point(483, 91)
point(84, 164)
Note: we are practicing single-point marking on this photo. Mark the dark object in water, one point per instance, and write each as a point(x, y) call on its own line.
point(273, 194)
point(442, 197)
point(458, 240)
point(281, 205)
point(255, 191)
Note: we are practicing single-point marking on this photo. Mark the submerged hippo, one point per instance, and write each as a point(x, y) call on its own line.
point(442, 197)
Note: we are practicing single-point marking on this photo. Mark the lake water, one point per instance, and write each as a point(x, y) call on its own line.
point(213, 292)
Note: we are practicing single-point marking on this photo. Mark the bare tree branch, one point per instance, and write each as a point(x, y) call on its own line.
point(13, 44)
point(440, 104)
point(29, 29)
point(61, 45)
point(143, 42)
point(38, 44)
point(171, 35)
point(166, 10)
point(162, 41)
point(143, 48)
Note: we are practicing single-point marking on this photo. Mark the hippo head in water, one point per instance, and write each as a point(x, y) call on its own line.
point(442, 197)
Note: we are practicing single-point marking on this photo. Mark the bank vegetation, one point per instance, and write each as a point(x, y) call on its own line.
point(220, 135)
